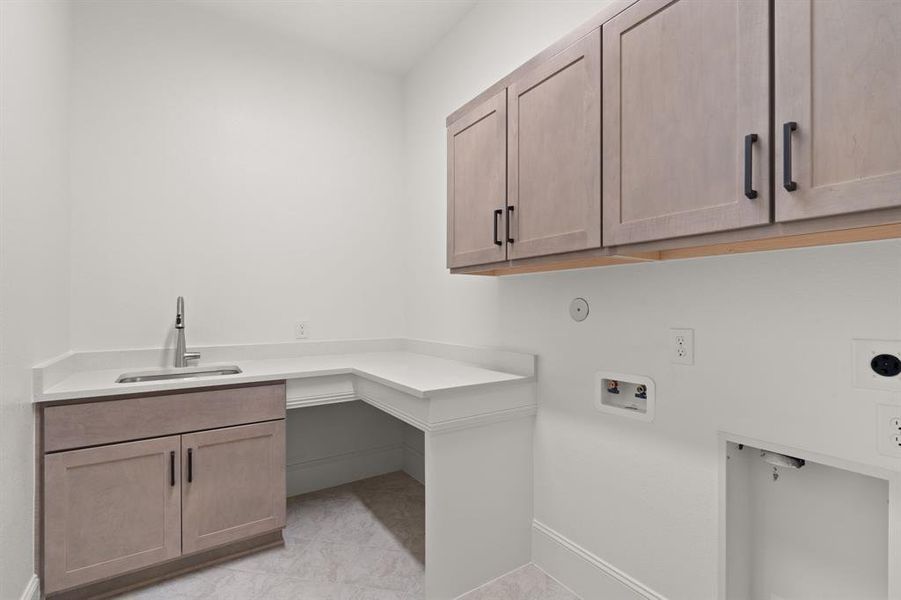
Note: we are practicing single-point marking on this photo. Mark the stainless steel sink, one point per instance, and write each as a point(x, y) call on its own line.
point(181, 373)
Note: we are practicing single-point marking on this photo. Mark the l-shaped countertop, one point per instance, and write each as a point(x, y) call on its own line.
point(418, 368)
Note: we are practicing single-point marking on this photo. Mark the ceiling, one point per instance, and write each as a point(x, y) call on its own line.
point(389, 35)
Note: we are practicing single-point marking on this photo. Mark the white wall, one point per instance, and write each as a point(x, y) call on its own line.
point(257, 177)
point(772, 340)
point(34, 281)
point(336, 443)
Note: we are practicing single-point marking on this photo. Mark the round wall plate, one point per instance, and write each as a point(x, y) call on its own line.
point(578, 309)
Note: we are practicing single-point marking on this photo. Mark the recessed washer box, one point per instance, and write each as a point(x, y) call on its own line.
point(631, 396)
point(821, 531)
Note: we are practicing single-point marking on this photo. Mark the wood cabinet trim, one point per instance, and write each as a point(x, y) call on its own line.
point(141, 578)
point(864, 227)
point(801, 240)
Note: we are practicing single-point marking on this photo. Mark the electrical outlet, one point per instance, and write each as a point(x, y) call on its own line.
point(876, 364)
point(682, 350)
point(889, 430)
point(301, 330)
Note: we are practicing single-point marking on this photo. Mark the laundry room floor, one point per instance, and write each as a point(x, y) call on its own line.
point(359, 541)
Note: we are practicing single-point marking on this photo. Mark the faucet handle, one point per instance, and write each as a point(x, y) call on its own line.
point(192, 356)
point(180, 313)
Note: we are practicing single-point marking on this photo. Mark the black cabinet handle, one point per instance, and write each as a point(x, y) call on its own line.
point(750, 139)
point(172, 468)
point(497, 213)
point(190, 465)
point(787, 182)
point(509, 217)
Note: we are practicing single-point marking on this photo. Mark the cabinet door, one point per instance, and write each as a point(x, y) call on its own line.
point(838, 79)
point(109, 510)
point(685, 82)
point(234, 485)
point(554, 176)
point(476, 185)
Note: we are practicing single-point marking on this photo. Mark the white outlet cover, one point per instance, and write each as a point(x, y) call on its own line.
point(301, 330)
point(682, 346)
point(862, 353)
point(886, 430)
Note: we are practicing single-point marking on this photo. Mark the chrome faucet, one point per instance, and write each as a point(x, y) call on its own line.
point(182, 356)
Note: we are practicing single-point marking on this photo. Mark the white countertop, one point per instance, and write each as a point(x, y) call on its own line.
point(416, 373)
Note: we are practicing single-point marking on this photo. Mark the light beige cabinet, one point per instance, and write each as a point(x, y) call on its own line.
point(234, 485)
point(837, 106)
point(110, 510)
point(724, 126)
point(554, 165)
point(117, 507)
point(477, 185)
point(686, 119)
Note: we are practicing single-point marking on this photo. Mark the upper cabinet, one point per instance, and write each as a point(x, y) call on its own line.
point(477, 185)
point(686, 119)
point(837, 106)
point(665, 129)
point(554, 166)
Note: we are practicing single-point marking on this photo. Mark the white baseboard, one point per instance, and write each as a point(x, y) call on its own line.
point(329, 471)
point(32, 591)
point(414, 463)
point(585, 573)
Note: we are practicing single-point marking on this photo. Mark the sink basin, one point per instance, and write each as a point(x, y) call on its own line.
point(185, 373)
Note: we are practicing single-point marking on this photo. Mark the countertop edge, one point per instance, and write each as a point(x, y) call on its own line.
point(520, 369)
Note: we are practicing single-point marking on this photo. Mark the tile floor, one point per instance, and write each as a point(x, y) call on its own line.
point(527, 583)
point(360, 541)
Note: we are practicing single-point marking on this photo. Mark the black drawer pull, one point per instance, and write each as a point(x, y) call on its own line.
point(172, 468)
point(787, 182)
point(509, 218)
point(190, 465)
point(750, 139)
point(497, 213)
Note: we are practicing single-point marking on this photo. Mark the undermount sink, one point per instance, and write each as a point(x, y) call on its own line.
point(181, 373)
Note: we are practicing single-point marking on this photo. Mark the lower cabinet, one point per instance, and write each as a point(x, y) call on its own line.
point(120, 507)
point(234, 484)
point(110, 510)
